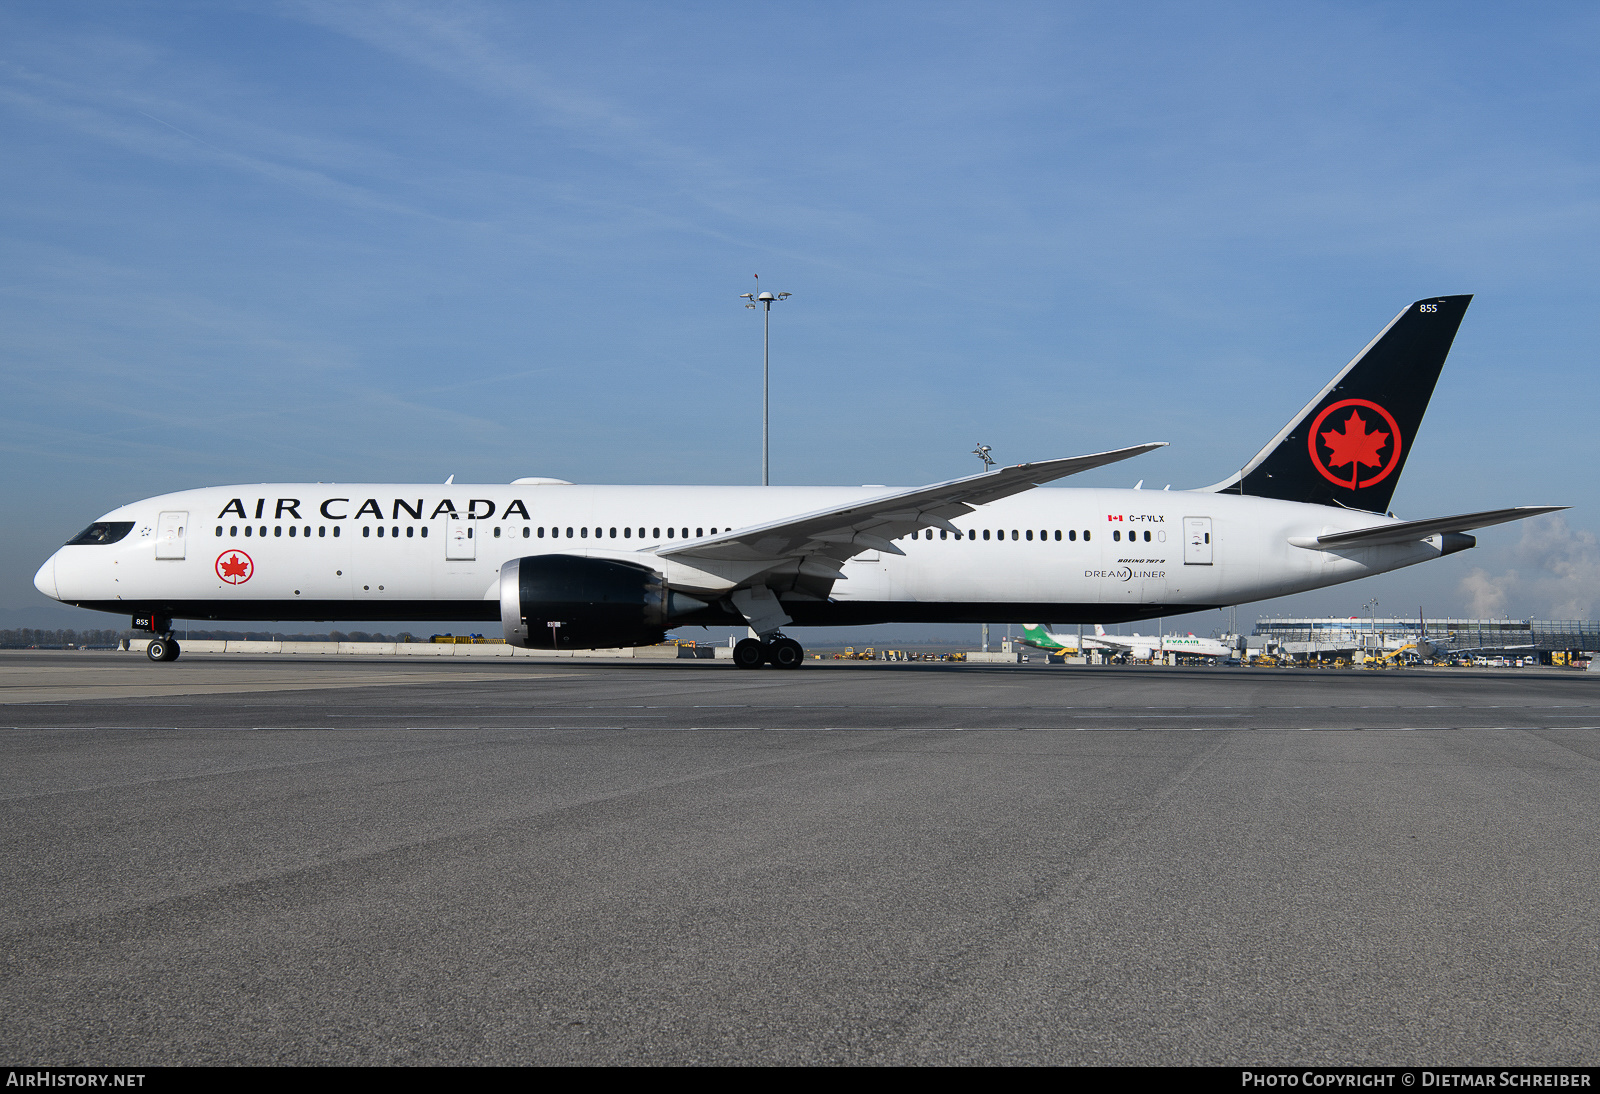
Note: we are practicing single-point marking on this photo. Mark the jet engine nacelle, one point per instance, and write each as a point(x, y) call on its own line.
point(570, 602)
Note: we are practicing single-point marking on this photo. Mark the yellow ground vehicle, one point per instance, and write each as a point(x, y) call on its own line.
point(1392, 658)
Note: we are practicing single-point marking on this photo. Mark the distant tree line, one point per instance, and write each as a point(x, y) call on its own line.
point(24, 638)
point(28, 638)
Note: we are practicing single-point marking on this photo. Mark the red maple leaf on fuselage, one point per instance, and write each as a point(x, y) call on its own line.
point(235, 567)
point(1355, 445)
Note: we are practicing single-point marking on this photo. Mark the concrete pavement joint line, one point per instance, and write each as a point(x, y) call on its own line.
point(1147, 717)
point(1093, 856)
point(786, 756)
point(46, 693)
point(236, 770)
point(1566, 747)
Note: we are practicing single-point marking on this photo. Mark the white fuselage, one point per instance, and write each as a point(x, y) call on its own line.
point(1153, 645)
point(373, 551)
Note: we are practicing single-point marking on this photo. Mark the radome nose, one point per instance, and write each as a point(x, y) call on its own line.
point(45, 579)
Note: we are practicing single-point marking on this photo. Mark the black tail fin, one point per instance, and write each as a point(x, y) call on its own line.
point(1350, 443)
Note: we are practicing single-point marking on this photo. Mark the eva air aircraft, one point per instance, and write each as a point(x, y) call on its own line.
point(566, 567)
point(1142, 646)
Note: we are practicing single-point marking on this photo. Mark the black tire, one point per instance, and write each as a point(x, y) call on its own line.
point(173, 649)
point(157, 650)
point(748, 654)
point(786, 653)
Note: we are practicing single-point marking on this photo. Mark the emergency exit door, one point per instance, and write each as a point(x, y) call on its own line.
point(1197, 541)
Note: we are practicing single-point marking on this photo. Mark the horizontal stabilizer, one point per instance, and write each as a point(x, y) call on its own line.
point(1412, 530)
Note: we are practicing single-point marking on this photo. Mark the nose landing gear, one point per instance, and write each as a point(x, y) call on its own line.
point(781, 652)
point(162, 649)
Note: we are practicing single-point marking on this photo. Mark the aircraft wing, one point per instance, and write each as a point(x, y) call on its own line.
point(1413, 530)
point(823, 540)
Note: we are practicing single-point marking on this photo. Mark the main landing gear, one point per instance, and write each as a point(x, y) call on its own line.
point(784, 653)
point(163, 648)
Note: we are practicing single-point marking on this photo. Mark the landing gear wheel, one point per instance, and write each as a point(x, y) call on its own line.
point(162, 649)
point(748, 654)
point(786, 653)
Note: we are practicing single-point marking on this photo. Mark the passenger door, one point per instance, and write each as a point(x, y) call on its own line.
point(1197, 541)
point(171, 534)
point(459, 542)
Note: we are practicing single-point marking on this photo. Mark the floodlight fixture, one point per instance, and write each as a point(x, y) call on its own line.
point(765, 300)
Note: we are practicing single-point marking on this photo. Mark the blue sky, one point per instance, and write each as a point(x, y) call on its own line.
point(301, 241)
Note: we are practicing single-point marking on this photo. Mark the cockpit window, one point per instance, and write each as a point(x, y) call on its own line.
point(102, 531)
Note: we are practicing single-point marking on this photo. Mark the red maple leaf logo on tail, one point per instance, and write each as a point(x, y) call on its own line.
point(1357, 442)
point(1355, 445)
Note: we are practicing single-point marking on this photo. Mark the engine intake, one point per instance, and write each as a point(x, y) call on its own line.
point(569, 602)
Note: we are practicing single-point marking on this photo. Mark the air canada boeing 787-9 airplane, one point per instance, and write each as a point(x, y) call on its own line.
point(573, 567)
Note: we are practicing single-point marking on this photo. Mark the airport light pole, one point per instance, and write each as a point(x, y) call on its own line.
point(764, 300)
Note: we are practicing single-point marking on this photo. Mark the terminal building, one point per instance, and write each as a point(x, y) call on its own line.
point(1539, 638)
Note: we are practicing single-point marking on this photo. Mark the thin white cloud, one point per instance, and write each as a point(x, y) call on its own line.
point(139, 124)
point(1557, 576)
point(466, 43)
